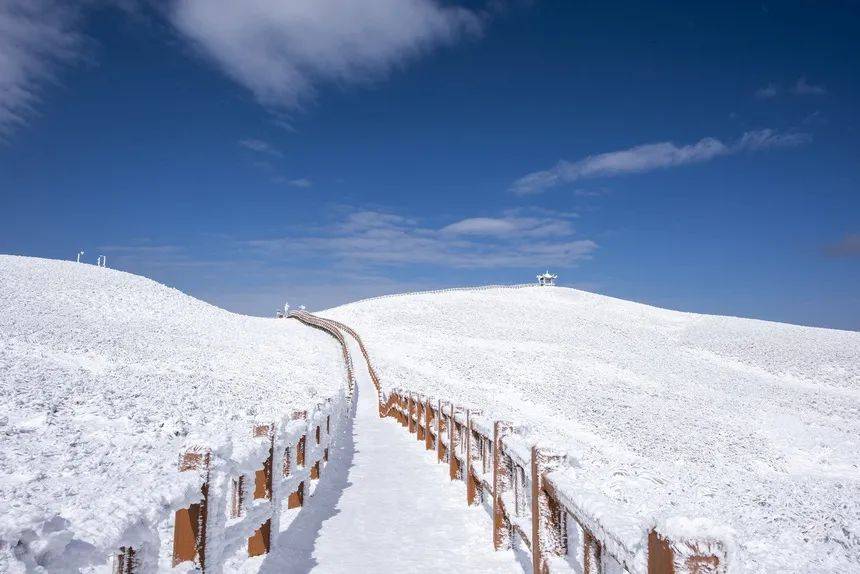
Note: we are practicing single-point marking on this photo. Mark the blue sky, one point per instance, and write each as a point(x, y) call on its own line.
point(702, 158)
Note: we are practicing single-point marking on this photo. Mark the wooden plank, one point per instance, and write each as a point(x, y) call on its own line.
point(664, 555)
point(297, 498)
point(189, 529)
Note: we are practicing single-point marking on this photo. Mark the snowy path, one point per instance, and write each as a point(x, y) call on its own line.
point(385, 505)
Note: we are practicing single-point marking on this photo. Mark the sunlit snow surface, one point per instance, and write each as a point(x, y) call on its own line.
point(105, 376)
point(385, 505)
point(747, 424)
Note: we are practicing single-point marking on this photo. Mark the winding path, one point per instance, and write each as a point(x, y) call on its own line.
point(385, 506)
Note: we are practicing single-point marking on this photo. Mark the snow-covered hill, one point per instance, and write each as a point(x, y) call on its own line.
point(751, 425)
point(105, 377)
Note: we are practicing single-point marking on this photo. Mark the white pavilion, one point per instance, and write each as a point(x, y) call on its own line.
point(547, 279)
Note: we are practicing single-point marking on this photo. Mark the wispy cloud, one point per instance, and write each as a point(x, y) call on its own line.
point(767, 92)
point(375, 238)
point(510, 226)
point(800, 88)
point(36, 37)
point(281, 50)
point(303, 182)
point(758, 140)
point(590, 192)
point(815, 119)
point(804, 88)
point(650, 157)
point(260, 146)
point(848, 246)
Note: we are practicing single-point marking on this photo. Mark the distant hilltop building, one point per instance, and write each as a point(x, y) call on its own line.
point(547, 279)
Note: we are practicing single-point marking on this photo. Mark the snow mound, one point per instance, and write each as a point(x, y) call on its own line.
point(748, 424)
point(105, 377)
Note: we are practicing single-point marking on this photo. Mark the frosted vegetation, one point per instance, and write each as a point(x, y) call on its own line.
point(750, 427)
point(105, 377)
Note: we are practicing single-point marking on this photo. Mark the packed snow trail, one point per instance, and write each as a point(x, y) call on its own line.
point(385, 505)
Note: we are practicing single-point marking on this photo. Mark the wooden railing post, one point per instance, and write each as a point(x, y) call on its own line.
point(591, 553)
point(421, 416)
point(472, 482)
point(429, 419)
point(316, 469)
point(453, 465)
point(260, 542)
point(410, 408)
point(189, 530)
point(501, 483)
point(547, 535)
point(296, 499)
point(440, 428)
point(691, 557)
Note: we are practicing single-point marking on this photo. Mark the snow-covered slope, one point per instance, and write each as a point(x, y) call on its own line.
point(751, 425)
point(106, 376)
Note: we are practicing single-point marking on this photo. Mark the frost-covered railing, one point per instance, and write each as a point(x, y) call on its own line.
point(334, 329)
point(328, 324)
point(534, 503)
point(241, 503)
point(246, 492)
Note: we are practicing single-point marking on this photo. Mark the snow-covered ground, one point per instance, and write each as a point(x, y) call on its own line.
point(105, 377)
point(385, 505)
point(750, 426)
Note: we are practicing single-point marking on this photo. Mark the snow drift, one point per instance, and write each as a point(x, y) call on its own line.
point(748, 430)
point(104, 378)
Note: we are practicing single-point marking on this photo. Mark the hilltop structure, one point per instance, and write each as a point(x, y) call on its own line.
point(547, 279)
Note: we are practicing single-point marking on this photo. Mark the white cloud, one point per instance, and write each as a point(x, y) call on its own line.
point(36, 36)
point(767, 92)
point(804, 88)
point(302, 182)
point(510, 226)
point(800, 88)
point(758, 140)
point(373, 238)
point(650, 157)
point(281, 50)
point(590, 192)
point(260, 146)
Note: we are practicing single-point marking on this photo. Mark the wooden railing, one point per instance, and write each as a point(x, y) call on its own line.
point(337, 329)
point(241, 501)
point(525, 487)
point(533, 504)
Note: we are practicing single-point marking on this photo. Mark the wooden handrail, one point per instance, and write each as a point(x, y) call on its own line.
point(544, 529)
point(549, 509)
point(298, 446)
